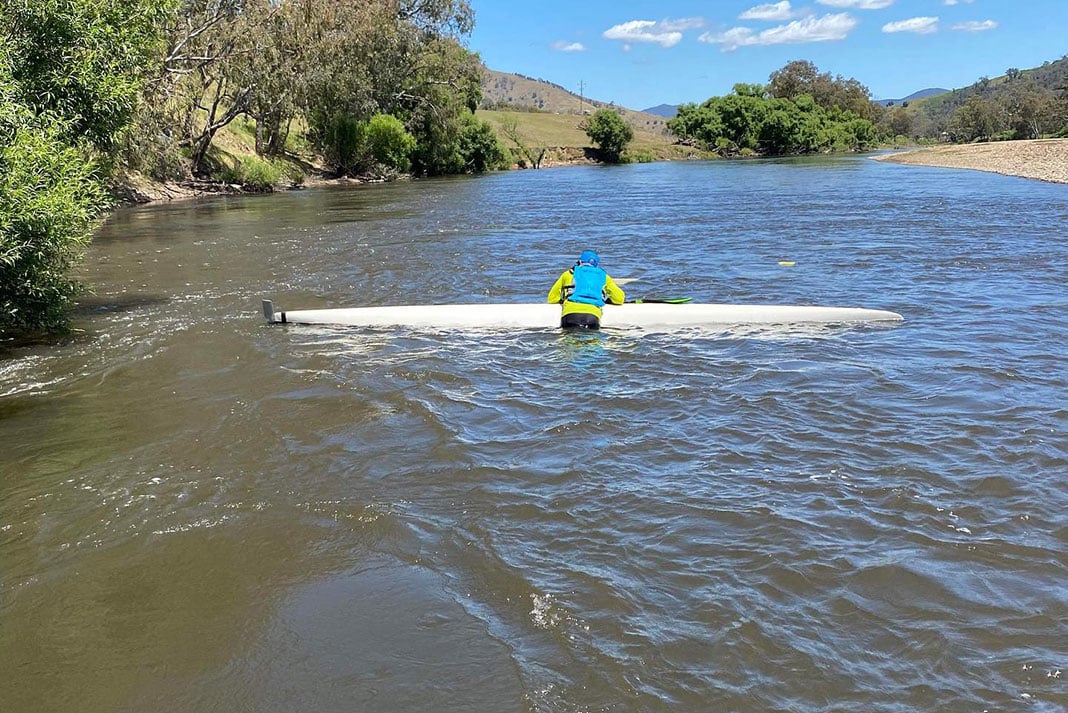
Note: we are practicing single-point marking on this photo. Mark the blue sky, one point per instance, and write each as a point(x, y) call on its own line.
point(639, 54)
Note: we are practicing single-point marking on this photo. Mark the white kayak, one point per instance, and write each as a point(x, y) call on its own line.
point(646, 315)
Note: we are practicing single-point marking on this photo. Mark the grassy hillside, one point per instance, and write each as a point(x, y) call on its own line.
point(1050, 80)
point(514, 91)
point(546, 115)
point(566, 141)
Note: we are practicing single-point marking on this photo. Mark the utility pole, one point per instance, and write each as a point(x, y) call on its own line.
point(582, 87)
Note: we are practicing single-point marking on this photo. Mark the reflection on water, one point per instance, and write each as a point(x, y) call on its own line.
point(201, 511)
point(586, 350)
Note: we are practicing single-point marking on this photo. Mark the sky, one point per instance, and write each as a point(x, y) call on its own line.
point(640, 54)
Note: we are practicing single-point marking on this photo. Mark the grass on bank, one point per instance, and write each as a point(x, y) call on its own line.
point(234, 150)
point(562, 134)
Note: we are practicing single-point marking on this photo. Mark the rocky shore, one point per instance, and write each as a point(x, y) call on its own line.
point(1040, 159)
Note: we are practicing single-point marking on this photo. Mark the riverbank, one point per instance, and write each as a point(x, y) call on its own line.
point(1038, 159)
point(134, 188)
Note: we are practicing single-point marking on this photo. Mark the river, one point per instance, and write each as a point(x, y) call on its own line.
point(202, 512)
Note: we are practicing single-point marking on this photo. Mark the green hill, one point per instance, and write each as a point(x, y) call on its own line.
point(543, 115)
point(1036, 96)
point(565, 141)
point(501, 90)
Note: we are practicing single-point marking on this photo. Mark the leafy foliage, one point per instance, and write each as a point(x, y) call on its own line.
point(749, 121)
point(333, 66)
point(479, 147)
point(83, 60)
point(70, 73)
point(50, 199)
point(388, 144)
point(610, 132)
point(802, 77)
point(254, 173)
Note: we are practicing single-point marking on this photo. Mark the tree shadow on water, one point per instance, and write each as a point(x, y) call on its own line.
point(117, 304)
point(11, 345)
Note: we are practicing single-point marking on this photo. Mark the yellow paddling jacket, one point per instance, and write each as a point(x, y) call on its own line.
point(565, 285)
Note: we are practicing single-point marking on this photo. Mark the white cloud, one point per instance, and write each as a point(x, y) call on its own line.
point(975, 26)
point(919, 25)
point(810, 29)
point(562, 46)
point(957, 2)
point(666, 33)
point(858, 4)
point(771, 11)
point(683, 23)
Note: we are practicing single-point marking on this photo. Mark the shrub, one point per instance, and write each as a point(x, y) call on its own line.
point(639, 157)
point(388, 143)
point(479, 146)
point(340, 137)
point(50, 199)
point(254, 173)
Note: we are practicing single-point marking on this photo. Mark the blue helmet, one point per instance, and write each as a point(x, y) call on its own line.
point(589, 257)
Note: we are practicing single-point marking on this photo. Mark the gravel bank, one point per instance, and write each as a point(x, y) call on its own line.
point(1041, 159)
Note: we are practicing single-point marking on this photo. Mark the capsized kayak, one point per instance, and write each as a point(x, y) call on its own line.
point(648, 316)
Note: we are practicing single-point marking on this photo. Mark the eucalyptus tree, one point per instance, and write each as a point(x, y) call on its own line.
point(803, 77)
point(204, 80)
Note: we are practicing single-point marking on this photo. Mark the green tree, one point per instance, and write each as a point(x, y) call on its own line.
point(397, 57)
point(70, 73)
point(803, 77)
point(610, 132)
point(388, 144)
point(741, 115)
point(446, 91)
point(749, 121)
point(978, 119)
point(527, 154)
point(50, 197)
point(206, 79)
point(82, 60)
point(899, 122)
point(479, 146)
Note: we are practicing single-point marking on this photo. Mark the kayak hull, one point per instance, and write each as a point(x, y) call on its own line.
point(648, 316)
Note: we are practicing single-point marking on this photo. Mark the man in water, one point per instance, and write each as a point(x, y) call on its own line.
point(583, 290)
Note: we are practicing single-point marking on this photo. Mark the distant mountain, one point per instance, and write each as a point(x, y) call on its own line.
point(922, 94)
point(666, 110)
point(501, 90)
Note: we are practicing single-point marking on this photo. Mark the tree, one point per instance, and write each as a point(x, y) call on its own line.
point(70, 73)
point(749, 121)
point(206, 79)
point(610, 132)
point(437, 102)
point(479, 146)
point(50, 197)
point(1032, 110)
point(803, 77)
point(899, 122)
point(978, 119)
point(82, 60)
point(796, 78)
